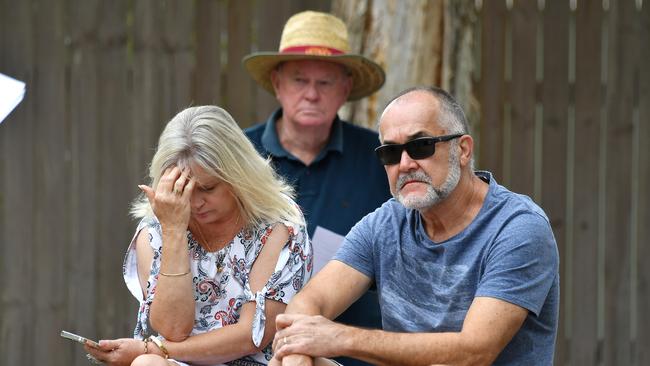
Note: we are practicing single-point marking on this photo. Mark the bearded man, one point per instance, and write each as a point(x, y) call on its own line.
point(466, 271)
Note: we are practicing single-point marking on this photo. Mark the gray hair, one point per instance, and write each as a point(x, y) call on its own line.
point(209, 137)
point(451, 118)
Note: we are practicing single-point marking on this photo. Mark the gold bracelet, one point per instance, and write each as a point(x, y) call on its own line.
point(160, 345)
point(174, 274)
point(146, 345)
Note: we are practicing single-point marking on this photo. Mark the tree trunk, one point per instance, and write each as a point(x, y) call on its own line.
point(417, 42)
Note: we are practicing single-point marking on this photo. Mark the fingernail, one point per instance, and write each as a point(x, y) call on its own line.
point(141, 187)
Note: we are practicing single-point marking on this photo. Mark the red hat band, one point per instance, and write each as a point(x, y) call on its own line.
point(313, 50)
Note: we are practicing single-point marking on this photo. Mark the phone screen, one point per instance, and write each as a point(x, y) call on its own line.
point(78, 338)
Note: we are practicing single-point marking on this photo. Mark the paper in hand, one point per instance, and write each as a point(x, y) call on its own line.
point(325, 244)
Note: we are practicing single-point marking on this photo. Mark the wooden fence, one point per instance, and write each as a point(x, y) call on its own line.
point(565, 98)
point(102, 79)
point(564, 88)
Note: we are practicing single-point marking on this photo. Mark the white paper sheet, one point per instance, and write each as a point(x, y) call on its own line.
point(12, 92)
point(325, 244)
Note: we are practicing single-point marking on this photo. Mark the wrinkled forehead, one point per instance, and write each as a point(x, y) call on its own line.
point(316, 68)
point(203, 176)
point(413, 114)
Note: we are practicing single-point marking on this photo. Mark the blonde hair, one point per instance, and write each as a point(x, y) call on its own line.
point(209, 137)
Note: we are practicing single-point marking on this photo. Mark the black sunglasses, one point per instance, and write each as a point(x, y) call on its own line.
point(417, 149)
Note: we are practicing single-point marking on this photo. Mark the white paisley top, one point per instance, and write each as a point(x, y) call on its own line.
point(219, 296)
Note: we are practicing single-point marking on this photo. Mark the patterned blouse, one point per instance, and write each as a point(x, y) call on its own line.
point(221, 284)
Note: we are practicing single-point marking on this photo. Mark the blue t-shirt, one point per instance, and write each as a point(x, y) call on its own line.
point(345, 182)
point(507, 252)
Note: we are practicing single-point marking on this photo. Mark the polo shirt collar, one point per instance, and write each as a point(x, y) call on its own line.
point(271, 141)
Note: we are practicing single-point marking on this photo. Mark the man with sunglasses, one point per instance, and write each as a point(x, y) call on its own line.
point(467, 271)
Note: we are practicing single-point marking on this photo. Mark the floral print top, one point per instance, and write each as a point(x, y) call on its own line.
point(221, 284)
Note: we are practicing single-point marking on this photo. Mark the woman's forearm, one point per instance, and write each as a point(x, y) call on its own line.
point(172, 309)
point(217, 346)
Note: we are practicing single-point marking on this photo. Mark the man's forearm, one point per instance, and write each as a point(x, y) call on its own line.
point(330, 292)
point(300, 304)
point(387, 348)
point(318, 337)
point(307, 303)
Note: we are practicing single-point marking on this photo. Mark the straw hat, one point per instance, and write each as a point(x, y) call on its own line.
point(317, 36)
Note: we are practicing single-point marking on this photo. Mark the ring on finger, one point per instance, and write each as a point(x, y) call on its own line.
point(177, 192)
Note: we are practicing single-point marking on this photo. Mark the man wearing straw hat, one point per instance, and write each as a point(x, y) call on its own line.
point(329, 161)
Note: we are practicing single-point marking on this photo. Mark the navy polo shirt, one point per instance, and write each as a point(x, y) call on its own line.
point(345, 182)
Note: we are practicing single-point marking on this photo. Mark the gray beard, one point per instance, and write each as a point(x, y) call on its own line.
point(434, 195)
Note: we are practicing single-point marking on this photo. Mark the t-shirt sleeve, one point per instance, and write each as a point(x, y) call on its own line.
point(357, 248)
point(522, 263)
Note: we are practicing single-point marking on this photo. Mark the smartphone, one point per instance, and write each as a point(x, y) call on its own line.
point(78, 338)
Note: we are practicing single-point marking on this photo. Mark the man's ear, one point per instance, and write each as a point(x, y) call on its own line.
point(466, 145)
point(275, 80)
point(348, 86)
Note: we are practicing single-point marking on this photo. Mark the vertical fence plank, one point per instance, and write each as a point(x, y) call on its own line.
point(207, 75)
point(82, 107)
point(239, 83)
point(623, 59)
point(269, 30)
point(555, 101)
point(177, 34)
point(115, 310)
point(639, 27)
point(164, 70)
point(149, 75)
point(522, 95)
point(587, 147)
point(492, 94)
point(643, 238)
point(17, 195)
point(51, 170)
point(316, 5)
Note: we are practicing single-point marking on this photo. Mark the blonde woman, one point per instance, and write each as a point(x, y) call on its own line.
point(220, 250)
